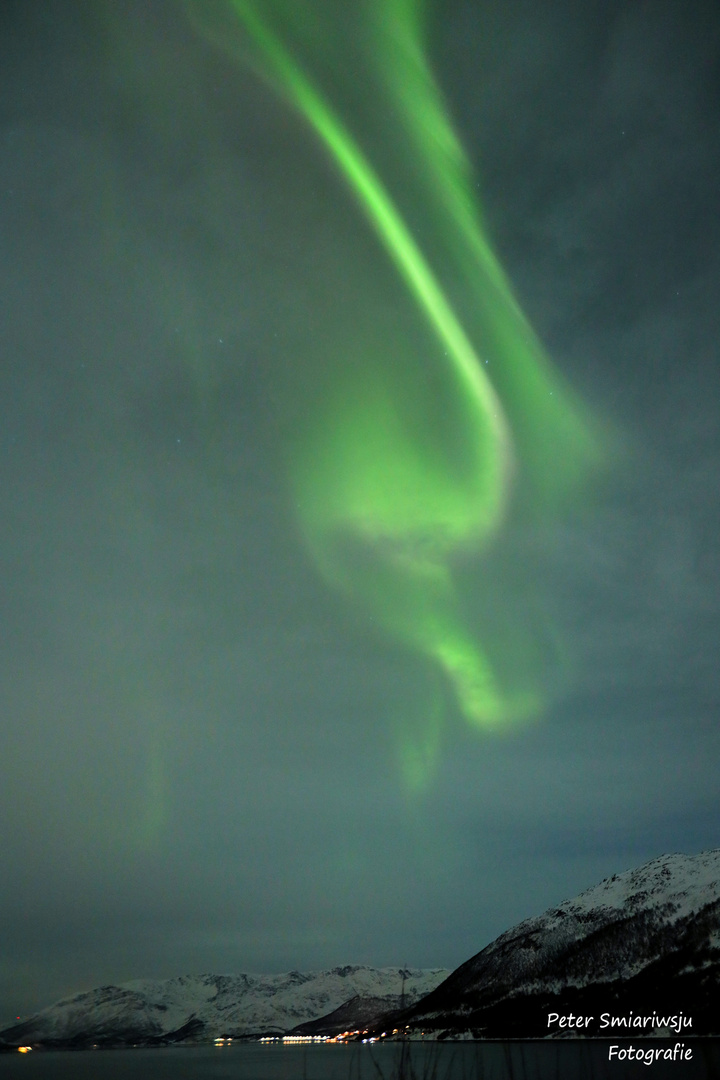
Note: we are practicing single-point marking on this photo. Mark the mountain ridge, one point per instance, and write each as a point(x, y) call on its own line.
point(650, 934)
point(642, 943)
point(187, 1007)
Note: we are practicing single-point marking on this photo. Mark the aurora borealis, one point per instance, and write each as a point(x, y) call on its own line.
point(387, 481)
point(358, 455)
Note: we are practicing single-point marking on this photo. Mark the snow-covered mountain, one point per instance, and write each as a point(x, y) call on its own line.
point(206, 1006)
point(643, 942)
point(641, 946)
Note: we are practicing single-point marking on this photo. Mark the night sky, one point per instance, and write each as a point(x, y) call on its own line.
point(204, 745)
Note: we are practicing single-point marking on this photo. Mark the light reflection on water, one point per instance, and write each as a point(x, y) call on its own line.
point(464, 1061)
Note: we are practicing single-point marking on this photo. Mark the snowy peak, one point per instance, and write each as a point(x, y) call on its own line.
point(682, 880)
point(206, 1006)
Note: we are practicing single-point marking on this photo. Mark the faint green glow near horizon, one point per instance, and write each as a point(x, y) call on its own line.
point(382, 503)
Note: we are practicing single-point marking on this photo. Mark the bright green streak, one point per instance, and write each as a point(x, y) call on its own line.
point(377, 204)
point(383, 499)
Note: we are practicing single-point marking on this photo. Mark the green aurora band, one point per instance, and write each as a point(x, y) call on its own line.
point(391, 481)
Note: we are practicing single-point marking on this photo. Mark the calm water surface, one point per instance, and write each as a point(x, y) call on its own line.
point(464, 1061)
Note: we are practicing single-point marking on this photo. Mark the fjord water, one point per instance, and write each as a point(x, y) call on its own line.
point(576, 1060)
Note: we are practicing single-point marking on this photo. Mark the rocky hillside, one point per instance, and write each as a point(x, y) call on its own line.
point(646, 941)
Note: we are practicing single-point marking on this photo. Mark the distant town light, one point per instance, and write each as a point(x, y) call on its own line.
point(304, 1038)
